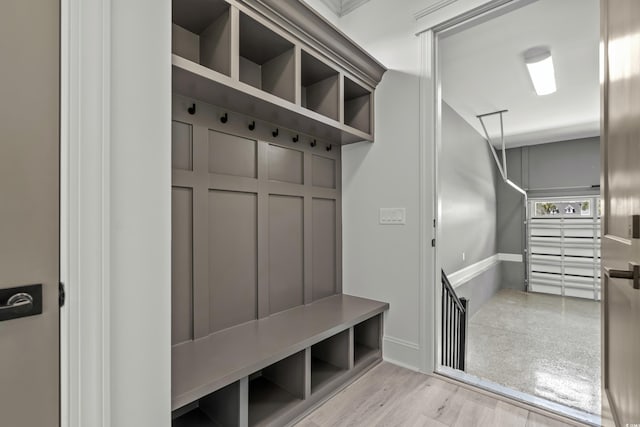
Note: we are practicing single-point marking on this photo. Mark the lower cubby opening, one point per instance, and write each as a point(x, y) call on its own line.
point(329, 359)
point(220, 408)
point(276, 389)
point(366, 339)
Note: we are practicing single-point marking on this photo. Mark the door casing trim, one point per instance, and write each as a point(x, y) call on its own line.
point(84, 212)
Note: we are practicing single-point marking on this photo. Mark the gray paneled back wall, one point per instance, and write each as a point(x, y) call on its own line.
point(256, 221)
point(553, 169)
point(468, 181)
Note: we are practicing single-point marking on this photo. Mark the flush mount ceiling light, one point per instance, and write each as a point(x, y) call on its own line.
point(540, 66)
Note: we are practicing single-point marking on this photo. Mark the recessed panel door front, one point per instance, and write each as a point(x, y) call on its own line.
point(621, 224)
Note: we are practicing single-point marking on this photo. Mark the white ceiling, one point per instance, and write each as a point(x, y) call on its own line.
point(483, 70)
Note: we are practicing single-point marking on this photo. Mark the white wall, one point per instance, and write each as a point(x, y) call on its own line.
point(116, 213)
point(140, 213)
point(383, 262)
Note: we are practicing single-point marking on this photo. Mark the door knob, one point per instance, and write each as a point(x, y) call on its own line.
point(21, 302)
point(632, 274)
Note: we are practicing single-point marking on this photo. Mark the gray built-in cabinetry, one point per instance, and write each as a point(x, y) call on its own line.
point(264, 95)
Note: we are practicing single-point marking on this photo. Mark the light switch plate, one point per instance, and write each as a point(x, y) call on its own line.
point(393, 216)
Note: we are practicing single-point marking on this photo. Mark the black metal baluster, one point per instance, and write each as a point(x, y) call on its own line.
point(464, 331)
point(455, 337)
point(447, 332)
point(443, 338)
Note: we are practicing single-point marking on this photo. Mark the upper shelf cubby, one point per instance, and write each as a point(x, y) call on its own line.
point(202, 33)
point(357, 106)
point(320, 86)
point(278, 62)
point(267, 61)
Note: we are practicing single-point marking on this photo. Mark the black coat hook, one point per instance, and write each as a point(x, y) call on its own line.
point(296, 138)
point(225, 118)
point(313, 143)
point(329, 147)
point(252, 126)
point(192, 110)
point(275, 133)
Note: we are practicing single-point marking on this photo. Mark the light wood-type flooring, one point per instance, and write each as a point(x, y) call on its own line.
point(389, 395)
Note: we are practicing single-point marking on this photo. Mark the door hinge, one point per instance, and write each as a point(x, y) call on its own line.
point(433, 243)
point(61, 294)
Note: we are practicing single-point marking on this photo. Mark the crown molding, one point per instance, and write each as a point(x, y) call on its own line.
point(343, 7)
point(432, 8)
point(334, 6)
point(349, 6)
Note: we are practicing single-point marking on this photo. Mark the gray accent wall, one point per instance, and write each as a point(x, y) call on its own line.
point(256, 221)
point(565, 168)
point(468, 199)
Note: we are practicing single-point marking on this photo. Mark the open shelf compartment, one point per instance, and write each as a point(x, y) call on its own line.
point(267, 60)
point(276, 390)
point(357, 106)
point(220, 408)
point(320, 90)
point(367, 337)
point(329, 359)
point(201, 33)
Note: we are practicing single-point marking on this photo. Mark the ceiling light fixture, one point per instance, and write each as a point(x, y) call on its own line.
point(540, 66)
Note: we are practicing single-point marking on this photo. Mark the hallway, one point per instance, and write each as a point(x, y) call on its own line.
point(543, 345)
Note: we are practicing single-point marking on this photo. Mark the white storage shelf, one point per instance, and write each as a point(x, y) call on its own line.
point(275, 78)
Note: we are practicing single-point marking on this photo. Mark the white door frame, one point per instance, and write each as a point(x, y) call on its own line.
point(85, 222)
point(430, 143)
point(115, 180)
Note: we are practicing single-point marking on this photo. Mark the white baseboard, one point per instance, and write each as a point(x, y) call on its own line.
point(401, 352)
point(510, 257)
point(472, 271)
point(465, 274)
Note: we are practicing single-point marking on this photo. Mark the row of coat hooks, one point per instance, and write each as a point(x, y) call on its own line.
point(252, 126)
